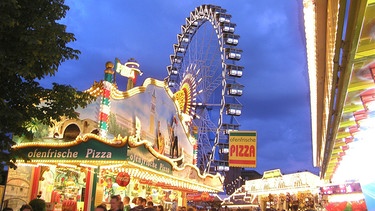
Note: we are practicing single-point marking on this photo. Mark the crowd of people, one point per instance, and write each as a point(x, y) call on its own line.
point(36, 204)
point(25, 207)
point(137, 204)
point(116, 204)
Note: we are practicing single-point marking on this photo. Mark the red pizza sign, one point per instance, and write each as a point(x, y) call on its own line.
point(122, 179)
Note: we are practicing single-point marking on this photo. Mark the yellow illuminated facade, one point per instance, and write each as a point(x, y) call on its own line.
point(340, 43)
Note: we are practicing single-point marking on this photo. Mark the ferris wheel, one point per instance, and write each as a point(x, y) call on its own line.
point(204, 65)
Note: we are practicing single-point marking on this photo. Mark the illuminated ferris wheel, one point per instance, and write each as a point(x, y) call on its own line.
point(204, 62)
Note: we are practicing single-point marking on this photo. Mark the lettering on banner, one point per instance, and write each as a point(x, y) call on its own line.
point(54, 153)
point(96, 154)
point(242, 150)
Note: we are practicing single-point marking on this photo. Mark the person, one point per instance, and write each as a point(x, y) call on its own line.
point(126, 203)
point(159, 139)
point(38, 204)
point(115, 203)
point(8, 209)
point(26, 207)
point(134, 202)
point(139, 205)
point(159, 208)
point(150, 206)
point(144, 203)
point(174, 205)
point(101, 207)
point(174, 138)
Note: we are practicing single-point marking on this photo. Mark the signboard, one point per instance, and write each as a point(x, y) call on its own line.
point(242, 149)
point(91, 149)
point(199, 196)
point(142, 156)
point(122, 179)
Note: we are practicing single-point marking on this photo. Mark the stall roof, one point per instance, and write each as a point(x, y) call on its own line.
point(183, 177)
point(340, 42)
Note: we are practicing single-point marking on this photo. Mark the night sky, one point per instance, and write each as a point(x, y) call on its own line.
point(276, 94)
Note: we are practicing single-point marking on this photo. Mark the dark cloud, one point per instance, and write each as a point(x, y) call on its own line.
point(276, 96)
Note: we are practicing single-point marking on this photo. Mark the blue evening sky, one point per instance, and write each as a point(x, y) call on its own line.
point(276, 96)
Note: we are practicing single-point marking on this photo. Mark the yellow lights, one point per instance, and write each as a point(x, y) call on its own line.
point(67, 165)
point(310, 29)
point(348, 123)
point(111, 166)
point(353, 108)
point(341, 135)
point(27, 164)
point(88, 166)
point(360, 86)
point(46, 164)
point(340, 143)
point(118, 95)
point(149, 176)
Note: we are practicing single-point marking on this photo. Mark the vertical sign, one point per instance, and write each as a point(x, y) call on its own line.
point(242, 149)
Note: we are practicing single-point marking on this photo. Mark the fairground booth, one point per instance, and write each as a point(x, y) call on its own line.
point(275, 191)
point(137, 142)
point(340, 43)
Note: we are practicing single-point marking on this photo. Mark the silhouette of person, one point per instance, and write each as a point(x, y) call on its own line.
point(174, 139)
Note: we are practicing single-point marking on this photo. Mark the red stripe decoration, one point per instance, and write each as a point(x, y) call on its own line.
point(103, 116)
point(243, 162)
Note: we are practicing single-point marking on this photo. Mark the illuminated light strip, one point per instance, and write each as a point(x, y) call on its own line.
point(88, 165)
point(310, 32)
point(117, 94)
point(27, 164)
point(111, 166)
point(337, 150)
point(171, 178)
point(105, 102)
point(67, 165)
point(353, 108)
point(341, 135)
point(46, 164)
point(347, 123)
point(360, 86)
point(339, 143)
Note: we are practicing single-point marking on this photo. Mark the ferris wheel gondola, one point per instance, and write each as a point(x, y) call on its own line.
point(204, 63)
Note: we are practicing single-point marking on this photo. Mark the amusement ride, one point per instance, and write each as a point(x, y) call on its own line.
point(203, 65)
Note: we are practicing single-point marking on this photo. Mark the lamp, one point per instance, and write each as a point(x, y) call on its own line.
point(233, 53)
point(173, 71)
point(235, 89)
point(171, 83)
point(224, 151)
point(229, 27)
point(234, 70)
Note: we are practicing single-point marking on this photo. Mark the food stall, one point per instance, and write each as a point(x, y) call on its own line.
point(296, 191)
point(121, 144)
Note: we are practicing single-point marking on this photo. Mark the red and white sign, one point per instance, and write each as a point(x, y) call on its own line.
point(122, 179)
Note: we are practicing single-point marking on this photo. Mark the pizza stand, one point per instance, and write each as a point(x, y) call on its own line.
point(119, 145)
